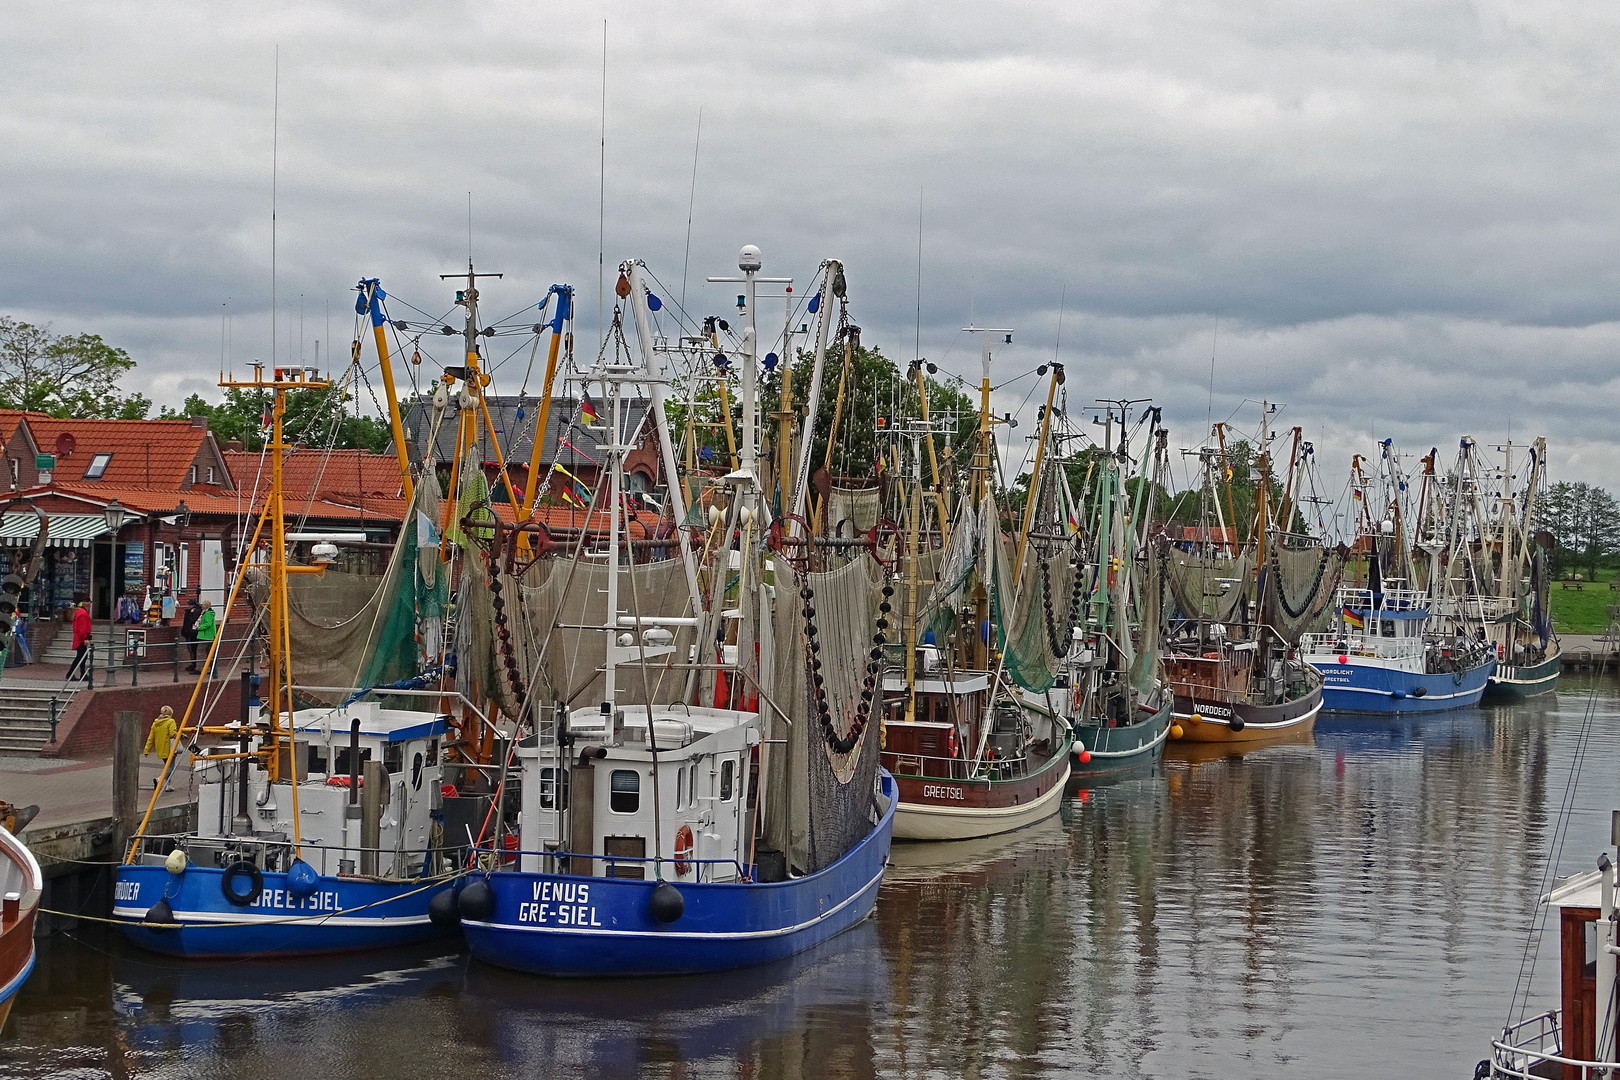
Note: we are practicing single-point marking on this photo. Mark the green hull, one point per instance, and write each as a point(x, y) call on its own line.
point(1516, 683)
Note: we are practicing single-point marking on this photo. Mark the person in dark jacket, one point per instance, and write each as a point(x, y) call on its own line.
point(188, 630)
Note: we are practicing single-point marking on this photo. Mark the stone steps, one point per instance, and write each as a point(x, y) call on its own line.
point(25, 718)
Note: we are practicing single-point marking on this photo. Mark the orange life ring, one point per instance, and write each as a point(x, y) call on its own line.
point(951, 747)
point(683, 850)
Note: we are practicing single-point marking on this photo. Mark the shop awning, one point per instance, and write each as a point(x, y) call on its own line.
point(66, 530)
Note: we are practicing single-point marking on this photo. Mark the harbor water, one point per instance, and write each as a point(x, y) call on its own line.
point(1355, 904)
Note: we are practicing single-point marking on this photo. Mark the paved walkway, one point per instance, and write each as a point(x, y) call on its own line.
point(71, 791)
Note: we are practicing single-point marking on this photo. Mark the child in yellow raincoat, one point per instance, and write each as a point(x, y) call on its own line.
point(162, 736)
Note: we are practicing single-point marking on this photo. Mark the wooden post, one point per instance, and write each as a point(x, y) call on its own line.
point(126, 774)
point(373, 796)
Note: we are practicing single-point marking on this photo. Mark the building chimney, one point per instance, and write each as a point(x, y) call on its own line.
point(200, 422)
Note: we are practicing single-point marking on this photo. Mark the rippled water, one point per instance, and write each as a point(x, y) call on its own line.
point(1353, 905)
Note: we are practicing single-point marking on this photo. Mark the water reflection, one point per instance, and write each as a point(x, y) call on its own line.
point(1352, 902)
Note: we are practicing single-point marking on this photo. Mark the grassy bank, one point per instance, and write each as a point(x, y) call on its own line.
point(1584, 611)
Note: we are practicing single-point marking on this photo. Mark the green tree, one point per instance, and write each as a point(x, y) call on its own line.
point(1584, 521)
point(314, 418)
point(72, 375)
point(875, 390)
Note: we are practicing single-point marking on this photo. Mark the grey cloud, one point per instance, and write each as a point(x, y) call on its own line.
point(1400, 214)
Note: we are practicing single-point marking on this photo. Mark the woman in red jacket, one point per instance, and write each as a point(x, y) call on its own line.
point(81, 641)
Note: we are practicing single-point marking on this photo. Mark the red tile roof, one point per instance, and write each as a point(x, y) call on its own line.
point(146, 454)
point(10, 418)
point(335, 473)
point(206, 500)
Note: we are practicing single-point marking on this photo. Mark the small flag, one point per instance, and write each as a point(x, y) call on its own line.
point(880, 463)
point(587, 410)
point(1352, 620)
point(1356, 494)
point(581, 493)
point(564, 444)
point(1229, 474)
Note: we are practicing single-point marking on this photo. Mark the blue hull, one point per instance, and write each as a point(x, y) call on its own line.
point(1361, 688)
point(568, 925)
point(342, 915)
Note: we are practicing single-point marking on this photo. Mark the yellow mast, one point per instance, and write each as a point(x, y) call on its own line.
point(1035, 476)
point(372, 297)
point(531, 484)
point(933, 458)
point(278, 667)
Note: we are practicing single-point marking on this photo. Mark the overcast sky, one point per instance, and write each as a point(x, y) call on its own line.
point(1396, 218)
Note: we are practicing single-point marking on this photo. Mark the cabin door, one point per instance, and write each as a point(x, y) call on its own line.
point(211, 576)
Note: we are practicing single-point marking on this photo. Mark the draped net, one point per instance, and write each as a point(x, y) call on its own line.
point(829, 805)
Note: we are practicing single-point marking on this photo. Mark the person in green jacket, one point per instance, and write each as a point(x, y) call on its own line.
point(207, 629)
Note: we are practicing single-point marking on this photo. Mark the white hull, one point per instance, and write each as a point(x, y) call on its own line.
point(915, 822)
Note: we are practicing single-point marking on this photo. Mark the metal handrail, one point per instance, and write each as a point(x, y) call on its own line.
point(1357, 645)
point(513, 853)
point(1394, 599)
point(964, 763)
point(1512, 1057)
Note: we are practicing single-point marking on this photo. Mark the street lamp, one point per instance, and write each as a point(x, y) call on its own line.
point(113, 515)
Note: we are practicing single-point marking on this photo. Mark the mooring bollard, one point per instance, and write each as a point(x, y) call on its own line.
point(126, 776)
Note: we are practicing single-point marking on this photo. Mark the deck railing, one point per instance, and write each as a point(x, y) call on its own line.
point(1362, 645)
point(915, 766)
point(1394, 599)
point(1527, 1047)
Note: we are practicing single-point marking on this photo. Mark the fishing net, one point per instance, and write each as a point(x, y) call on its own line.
point(1302, 579)
point(361, 630)
point(1208, 588)
point(852, 510)
point(938, 613)
point(561, 595)
point(1034, 622)
point(1149, 662)
point(828, 805)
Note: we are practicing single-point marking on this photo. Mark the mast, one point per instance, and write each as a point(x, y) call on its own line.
point(278, 662)
point(656, 382)
point(563, 315)
point(832, 284)
point(1035, 475)
point(983, 471)
point(370, 300)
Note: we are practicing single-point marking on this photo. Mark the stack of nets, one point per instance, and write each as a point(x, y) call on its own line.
point(1301, 580)
point(819, 802)
point(1033, 621)
point(852, 511)
point(1207, 587)
point(361, 631)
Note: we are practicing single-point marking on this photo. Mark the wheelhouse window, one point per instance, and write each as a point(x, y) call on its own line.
point(548, 790)
point(680, 787)
point(728, 779)
point(624, 791)
point(98, 467)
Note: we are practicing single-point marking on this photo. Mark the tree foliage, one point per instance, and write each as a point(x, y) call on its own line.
point(68, 375)
point(313, 418)
point(1584, 521)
